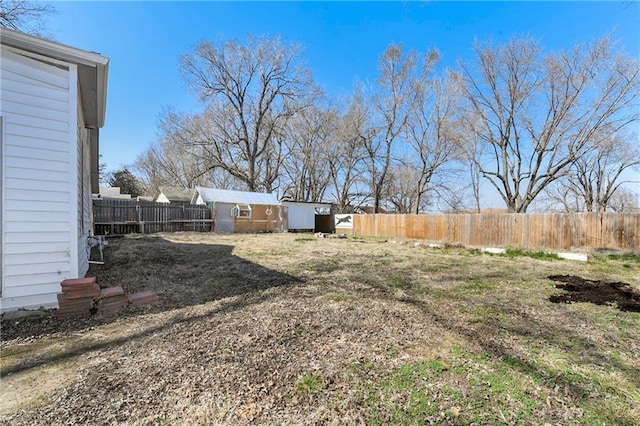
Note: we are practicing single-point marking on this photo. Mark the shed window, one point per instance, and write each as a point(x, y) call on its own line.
point(241, 211)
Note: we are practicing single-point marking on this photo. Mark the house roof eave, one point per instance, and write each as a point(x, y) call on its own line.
point(93, 69)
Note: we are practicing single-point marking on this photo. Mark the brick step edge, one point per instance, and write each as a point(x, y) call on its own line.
point(143, 298)
point(83, 296)
point(81, 293)
point(111, 292)
point(78, 283)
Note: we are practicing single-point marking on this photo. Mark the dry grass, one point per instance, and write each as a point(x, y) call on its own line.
point(281, 329)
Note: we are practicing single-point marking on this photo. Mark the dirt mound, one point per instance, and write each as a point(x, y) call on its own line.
point(598, 292)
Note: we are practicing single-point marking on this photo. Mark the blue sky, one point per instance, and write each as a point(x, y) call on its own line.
point(341, 42)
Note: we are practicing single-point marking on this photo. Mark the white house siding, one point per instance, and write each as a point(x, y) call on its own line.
point(36, 105)
point(85, 204)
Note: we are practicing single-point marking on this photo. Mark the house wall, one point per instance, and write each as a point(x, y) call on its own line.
point(84, 200)
point(38, 102)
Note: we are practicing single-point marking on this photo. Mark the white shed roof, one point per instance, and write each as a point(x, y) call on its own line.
point(238, 197)
point(310, 204)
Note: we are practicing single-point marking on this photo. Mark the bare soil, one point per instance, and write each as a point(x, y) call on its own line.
point(288, 329)
point(599, 292)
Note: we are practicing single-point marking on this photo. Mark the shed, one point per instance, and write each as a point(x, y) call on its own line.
point(242, 211)
point(302, 215)
point(169, 194)
point(52, 103)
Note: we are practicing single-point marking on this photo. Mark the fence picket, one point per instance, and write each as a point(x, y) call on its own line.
point(130, 216)
point(529, 231)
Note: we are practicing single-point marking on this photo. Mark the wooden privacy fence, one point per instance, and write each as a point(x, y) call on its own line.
point(529, 231)
point(117, 217)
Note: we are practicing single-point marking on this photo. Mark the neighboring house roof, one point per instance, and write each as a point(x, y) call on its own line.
point(112, 193)
point(216, 195)
point(178, 195)
point(93, 70)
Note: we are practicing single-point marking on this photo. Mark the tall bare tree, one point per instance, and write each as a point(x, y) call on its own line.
point(535, 115)
point(310, 135)
point(251, 90)
point(625, 199)
point(401, 191)
point(346, 156)
point(26, 16)
point(174, 160)
point(431, 134)
point(594, 179)
point(399, 90)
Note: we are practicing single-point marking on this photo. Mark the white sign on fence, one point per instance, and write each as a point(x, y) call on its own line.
point(344, 221)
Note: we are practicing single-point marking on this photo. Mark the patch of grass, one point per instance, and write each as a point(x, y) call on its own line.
point(483, 314)
point(405, 397)
point(476, 285)
point(304, 239)
point(626, 260)
point(399, 281)
point(310, 383)
point(326, 265)
point(369, 238)
point(542, 255)
point(337, 296)
point(393, 351)
point(628, 257)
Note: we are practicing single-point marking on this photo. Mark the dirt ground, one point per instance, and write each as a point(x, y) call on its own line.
point(288, 329)
point(599, 292)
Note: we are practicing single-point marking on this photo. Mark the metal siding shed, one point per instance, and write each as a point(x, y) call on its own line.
point(302, 214)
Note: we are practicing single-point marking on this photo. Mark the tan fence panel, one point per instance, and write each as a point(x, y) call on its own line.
point(530, 231)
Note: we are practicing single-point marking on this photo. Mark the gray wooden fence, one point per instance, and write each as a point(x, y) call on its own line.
point(118, 217)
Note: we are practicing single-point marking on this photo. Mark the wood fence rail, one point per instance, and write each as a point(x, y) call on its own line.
point(117, 217)
point(528, 231)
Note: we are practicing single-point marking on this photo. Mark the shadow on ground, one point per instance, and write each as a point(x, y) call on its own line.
point(182, 274)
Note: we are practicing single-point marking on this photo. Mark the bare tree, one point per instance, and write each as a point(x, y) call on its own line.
point(594, 179)
point(310, 135)
point(401, 191)
point(174, 160)
point(25, 16)
point(534, 116)
point(430, 133)
point(399, 91)
point(346, 155)
point(624, 200)
point(252, 91)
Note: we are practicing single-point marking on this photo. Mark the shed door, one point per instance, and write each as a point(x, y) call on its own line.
point(224, 221)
